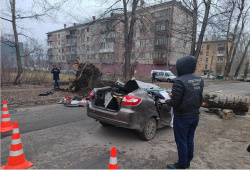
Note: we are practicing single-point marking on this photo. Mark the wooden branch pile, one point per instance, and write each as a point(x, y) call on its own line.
point(225, 106)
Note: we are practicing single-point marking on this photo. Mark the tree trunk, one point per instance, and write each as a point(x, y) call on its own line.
point(236, 103)
point(128, 37)
point(211, 64)
point(18, 57)
point(203, 28)
point(246, 69)
point(242, 60)
point(194, 28)
point(231, 53)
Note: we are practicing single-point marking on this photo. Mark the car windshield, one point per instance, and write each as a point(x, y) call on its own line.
point(170, 74)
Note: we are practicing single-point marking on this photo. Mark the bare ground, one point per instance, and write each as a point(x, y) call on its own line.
point(219, 144)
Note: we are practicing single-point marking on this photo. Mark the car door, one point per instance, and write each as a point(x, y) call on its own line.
point(160, 76)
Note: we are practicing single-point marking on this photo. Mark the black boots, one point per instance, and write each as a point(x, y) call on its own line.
point(177, 166)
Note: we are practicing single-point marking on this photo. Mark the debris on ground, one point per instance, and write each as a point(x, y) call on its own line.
point(75, 101)
point(46, 93)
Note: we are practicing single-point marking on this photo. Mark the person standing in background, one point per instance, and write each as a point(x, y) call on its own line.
point(153, 77)
point(56, 73)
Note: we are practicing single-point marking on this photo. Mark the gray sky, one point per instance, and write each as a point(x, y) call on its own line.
point(73, 11)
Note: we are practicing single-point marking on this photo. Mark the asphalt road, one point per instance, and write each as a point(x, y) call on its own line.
point(54, 136)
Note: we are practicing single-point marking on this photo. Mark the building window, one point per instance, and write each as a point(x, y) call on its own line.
point(160, 27)
point(142, 43)
point(151, 55)
point(93, 28)
point(93, 47)
point(151, 42)
point(160, 40)
point(87, 29)
point(93, 38)
point(133, 56)
point(214, 45)
point(221, 52)
point(142, 56)
point(62, 35)
point(220, 59)
point(87, 39)
point(201, 52)
point(214, 52)
point(207, 53)
point(59, 42)
point(200, 59)
point(83, 47)
point(199, 65)
point(82, 30)
point(205, 67)
point(208, 46)
point(143, 31)
point(160, 55)
point(221, 45)
point(87, 47)
point(63, 58)
point(206, 60)
point(82, 40)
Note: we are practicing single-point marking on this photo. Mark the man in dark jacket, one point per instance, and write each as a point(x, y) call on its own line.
point(153, 77)
point(186, 99)
point(55, 72)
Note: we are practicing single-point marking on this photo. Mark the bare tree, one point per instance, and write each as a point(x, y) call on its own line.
point(19, 15)
point(234, 37)
point(243, 58)
point(196, 9)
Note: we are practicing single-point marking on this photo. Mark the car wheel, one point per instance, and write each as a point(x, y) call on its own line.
point(149, 130)
point(104, 124)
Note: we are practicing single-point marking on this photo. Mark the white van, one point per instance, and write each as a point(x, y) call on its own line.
point(164, 75)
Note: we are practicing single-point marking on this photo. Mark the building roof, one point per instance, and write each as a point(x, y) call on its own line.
point(173, 2)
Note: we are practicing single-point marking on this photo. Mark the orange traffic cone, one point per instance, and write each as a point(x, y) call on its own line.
point(5, 121)
point(113, 159)
point(16, 156)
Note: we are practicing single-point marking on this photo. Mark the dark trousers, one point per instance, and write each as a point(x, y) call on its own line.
point(153, 80)
point(184, 129)
point(56, 84)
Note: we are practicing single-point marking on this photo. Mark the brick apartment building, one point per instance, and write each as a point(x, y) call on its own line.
point(212, 57)
point(160, 38)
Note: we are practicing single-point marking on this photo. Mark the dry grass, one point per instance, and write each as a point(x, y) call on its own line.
point(31, 77)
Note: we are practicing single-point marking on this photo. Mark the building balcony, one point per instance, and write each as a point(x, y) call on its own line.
point(221, 48)
point(164, 46)
point(205, 70)
point(160, 60)
point(220, 55)
point(108, 61)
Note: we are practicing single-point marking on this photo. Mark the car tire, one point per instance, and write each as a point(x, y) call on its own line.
point(149, 130)
point(104, 124)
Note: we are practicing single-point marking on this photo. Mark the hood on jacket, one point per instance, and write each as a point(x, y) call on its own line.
point(186, 65)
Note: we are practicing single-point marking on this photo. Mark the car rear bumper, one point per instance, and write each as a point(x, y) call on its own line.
point(123, 118)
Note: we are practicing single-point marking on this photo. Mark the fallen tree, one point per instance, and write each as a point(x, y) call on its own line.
point(88, 77)
point(233, 102)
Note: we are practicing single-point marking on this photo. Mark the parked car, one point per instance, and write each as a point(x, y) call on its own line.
point(135, 105)
point(204, 76)
point(164, 75)
point(72, 72)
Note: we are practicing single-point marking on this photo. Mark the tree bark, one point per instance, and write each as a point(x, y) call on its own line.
point(236, 103)
point(19, 62)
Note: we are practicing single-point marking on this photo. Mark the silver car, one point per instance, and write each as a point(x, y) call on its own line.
point(134, 105)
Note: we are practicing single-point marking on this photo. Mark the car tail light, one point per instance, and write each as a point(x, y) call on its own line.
point(91, 95)
point(131, 100)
